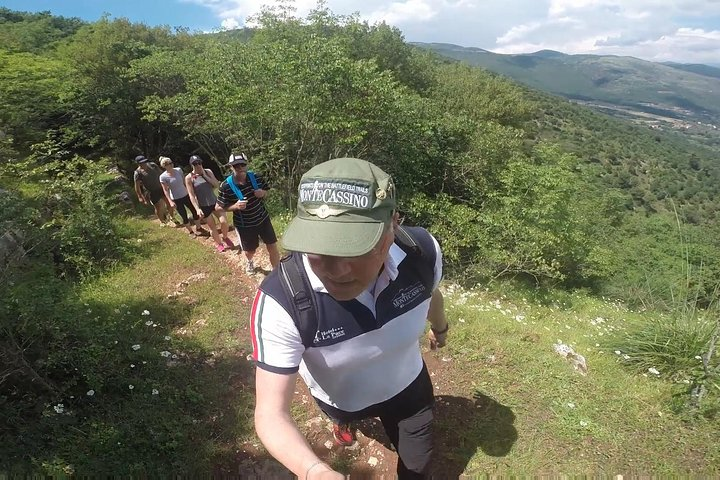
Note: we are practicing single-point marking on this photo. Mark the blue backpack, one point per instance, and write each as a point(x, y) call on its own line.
point(236, 189)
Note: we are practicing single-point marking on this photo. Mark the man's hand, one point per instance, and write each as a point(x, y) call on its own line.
point(322, 471)
point(260, 193)
point(326, 475)
point(437, 340)
point(240, 205)
point(200, 213)
point(172, 204)
point(143, 200)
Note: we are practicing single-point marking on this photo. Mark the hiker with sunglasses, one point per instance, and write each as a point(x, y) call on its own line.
point(243, 193)
point(345, 310)
point(200, 183)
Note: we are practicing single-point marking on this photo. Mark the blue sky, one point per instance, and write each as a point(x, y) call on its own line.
point(659, 30)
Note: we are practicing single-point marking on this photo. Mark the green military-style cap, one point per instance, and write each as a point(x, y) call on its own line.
point(343, 207)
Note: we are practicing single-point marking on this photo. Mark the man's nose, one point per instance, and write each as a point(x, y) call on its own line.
point(336, 267)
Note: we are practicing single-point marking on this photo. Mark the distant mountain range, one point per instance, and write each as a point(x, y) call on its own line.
point(664, 95)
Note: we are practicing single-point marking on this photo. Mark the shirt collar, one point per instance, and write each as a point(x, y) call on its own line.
point(394, 257)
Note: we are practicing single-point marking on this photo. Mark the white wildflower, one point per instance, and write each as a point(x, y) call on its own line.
point(583, 423)
point(654, 371)
point(90, 393)
point(698, 357)
point(149, 322)
point(132, 365)
point(571, 405)
point(626, 356)
point(136, 347)
point(155, 391)
point(165, 353)
point(131, 387)
point(59, 408)
point(145, 312)
point(167, 337)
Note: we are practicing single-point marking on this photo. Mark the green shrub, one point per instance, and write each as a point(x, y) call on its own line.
point(73, 213)
point(670, 344)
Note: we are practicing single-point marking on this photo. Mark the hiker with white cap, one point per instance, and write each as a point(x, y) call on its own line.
point(243, 193)
point(346, 310)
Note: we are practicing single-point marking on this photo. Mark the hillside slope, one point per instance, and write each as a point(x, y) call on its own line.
point(685, 93)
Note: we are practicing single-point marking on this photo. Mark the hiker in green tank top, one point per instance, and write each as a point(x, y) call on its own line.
point(146, 179)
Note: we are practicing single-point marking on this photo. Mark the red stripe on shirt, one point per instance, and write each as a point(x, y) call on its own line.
point(253, 319)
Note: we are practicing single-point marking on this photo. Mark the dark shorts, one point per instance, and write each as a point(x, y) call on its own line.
point(250, 236)
point(156, 196)
point(207, 209)
point(407, 419)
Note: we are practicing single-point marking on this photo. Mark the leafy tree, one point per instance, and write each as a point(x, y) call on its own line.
point(31, 91)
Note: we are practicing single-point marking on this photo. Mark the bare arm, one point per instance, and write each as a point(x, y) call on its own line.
point(139, 192)
point(191, 192)
point(438, 322)
point(166, 190)
point(278, 431)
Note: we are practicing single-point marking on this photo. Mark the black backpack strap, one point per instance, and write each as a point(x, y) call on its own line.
point(297, 287)
point(407, 242)
point(417, 242)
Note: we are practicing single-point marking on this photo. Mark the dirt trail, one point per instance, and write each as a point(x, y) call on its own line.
point(372, 455)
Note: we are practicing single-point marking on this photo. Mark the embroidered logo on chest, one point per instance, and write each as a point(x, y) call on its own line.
point(406, 295)
point(330, 334)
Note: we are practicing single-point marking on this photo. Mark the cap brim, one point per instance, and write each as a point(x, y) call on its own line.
point(337, 239)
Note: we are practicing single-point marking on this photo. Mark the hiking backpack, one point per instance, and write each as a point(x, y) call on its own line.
point(236, 189)
point(297, 288)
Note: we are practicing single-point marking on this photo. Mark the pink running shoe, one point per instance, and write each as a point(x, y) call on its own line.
point(343, 434)
point(220, 247)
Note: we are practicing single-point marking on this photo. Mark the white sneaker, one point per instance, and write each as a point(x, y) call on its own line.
point(250, 268)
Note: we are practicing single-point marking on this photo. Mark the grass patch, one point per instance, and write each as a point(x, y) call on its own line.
point(612, 421)
point(153, 368)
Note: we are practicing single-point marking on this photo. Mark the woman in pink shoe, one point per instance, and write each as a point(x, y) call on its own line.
point(200, 183)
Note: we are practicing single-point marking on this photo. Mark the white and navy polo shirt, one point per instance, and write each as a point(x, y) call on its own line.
point(365, 350)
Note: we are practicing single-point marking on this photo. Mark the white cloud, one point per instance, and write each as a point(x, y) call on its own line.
point(229, 23)
point(679, 30)
point(401, 12)
point(517, 32)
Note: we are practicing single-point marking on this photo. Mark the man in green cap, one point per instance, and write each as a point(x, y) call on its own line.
point(346, 311)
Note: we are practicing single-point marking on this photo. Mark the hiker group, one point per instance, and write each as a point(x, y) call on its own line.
point(169, 190)
point(344, 310)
